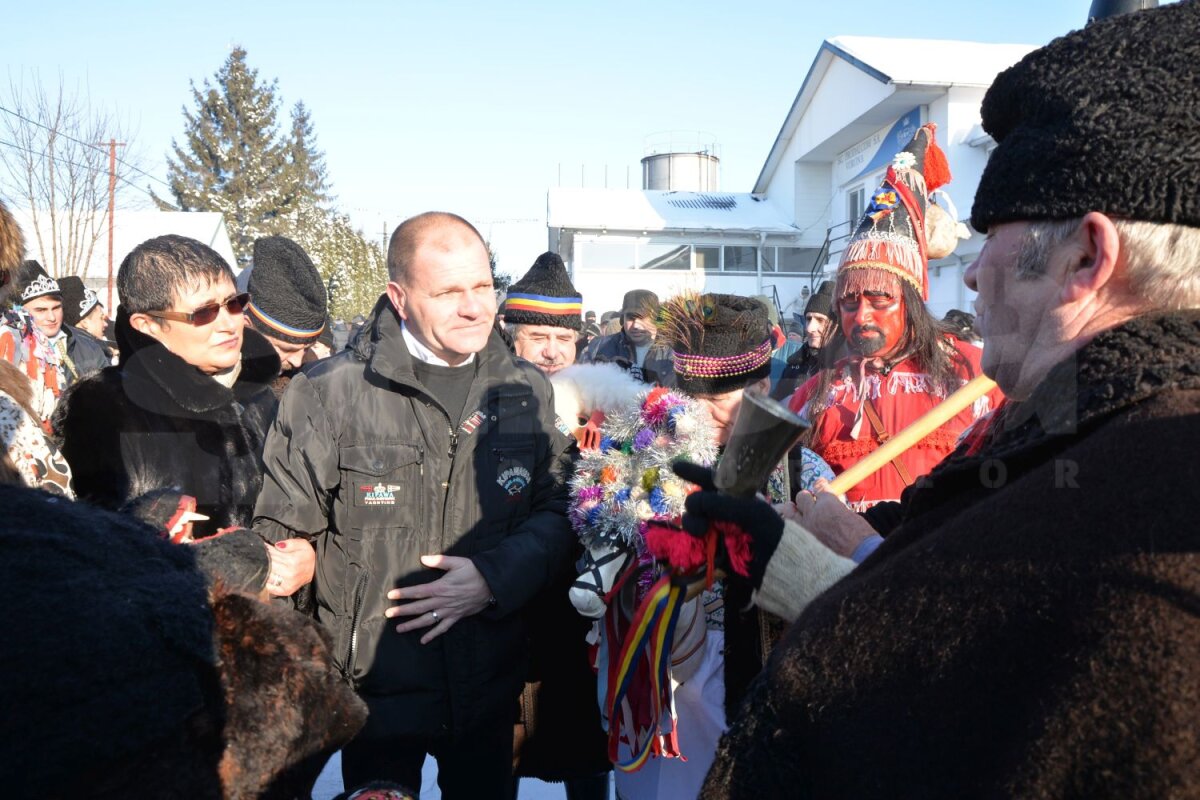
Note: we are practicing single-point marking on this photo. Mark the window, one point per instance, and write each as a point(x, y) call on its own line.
point(856, 204)
point(664, 256)
point(607, 255)
point(739, 258)
point(793, 259)
point(708, 257)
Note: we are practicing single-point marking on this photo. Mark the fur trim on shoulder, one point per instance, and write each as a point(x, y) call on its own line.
point(12, 243)
point(581, 389)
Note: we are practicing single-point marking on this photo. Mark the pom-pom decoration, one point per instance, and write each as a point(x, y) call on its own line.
point(629, 478)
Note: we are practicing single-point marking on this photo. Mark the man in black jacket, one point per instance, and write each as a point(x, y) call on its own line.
point(633, 348)
point(426, 463)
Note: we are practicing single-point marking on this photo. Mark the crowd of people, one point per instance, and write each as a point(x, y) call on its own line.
point(241, 536)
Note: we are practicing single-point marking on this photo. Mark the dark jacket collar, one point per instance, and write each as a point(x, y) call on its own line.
point(147, 362)
point(387, 353)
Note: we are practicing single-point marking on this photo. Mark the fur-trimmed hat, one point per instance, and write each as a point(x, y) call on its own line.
point(34, 282)
point(901, 229)
point(721, 342)
point(287, 295)
point(821, 301)
point(545, 296)
point(1102, 119)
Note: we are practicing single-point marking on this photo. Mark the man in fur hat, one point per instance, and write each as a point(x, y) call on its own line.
point(1029, 627)
point(903, 362)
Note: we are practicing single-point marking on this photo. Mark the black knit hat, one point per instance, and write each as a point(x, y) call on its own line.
point(1102, 119)
point(287, 295)
point(821, 301)
point(721, 342)
point(544, 296)
point(33, 282)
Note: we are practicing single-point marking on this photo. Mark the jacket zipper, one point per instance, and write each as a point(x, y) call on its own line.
point(360, 585)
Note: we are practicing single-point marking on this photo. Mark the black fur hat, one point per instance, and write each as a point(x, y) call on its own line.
point(721, 342)
point(287, 295)
point(544, 296)
point(1102, 119)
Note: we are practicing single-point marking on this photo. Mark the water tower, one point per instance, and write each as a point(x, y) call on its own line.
point(681, 161)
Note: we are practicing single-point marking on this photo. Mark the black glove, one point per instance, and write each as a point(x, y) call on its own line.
point(754, 516)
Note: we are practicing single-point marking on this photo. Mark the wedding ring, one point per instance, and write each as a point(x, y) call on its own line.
point(435, 616)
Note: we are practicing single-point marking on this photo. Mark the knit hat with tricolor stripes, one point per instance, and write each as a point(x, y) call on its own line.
point(545, 296)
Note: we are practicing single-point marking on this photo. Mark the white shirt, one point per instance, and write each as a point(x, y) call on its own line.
point(422, 353)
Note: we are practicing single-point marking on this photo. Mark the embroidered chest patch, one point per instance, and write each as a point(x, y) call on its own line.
point(379, 494)
point(514, 478)
point(471, 423)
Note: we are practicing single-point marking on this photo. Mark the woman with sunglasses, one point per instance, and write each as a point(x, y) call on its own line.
point(186, 409)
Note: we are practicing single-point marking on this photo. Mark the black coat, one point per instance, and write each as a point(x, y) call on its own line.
point(87, 353)
point(364, 460)
point(658, 367)
point(1032, 627)
point(156, 422)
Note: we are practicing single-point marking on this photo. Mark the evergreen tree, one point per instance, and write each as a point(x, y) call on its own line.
point(307, 163)
point(354, 268)
point(234, 161)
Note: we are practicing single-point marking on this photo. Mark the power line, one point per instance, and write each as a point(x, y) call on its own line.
point(60, 160)
point(85, 144)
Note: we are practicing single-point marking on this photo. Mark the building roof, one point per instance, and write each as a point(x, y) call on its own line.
point(926, 64)
point(930, 62)
point(638, 210)
point(131, 228)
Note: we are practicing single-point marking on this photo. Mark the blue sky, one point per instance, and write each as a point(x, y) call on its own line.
point(472, 107)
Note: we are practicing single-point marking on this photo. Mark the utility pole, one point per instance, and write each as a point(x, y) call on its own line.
point(385, 239)
point(113, 144)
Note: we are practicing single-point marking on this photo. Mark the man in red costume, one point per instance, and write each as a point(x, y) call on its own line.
point(902, 361)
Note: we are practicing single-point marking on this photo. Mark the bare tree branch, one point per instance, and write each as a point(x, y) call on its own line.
point(54, 161)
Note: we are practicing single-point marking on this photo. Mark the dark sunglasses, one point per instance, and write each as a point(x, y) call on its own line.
point(205, 315)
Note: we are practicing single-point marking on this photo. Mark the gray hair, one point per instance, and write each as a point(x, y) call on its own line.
point(1162, 259)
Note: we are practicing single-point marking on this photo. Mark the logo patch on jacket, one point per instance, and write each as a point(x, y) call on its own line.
point(381, 494)
point(471, 423)
point(514, 479)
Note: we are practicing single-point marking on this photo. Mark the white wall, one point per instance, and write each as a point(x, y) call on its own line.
point(844, 92)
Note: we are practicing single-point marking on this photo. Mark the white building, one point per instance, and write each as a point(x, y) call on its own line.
point(130, 228)
point(859, 104)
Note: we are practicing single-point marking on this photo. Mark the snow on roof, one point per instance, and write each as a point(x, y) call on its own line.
point(637, 210)
point(932, 62)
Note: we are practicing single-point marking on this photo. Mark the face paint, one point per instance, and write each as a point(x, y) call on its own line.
point(873, 322)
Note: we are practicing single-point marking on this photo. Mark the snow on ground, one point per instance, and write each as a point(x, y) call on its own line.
point(330, 784)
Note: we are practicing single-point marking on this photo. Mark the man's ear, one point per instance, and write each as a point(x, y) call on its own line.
point(1098, 250)
point(398, 296)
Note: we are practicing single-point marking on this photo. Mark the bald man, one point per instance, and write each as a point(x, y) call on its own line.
point(425, 464)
